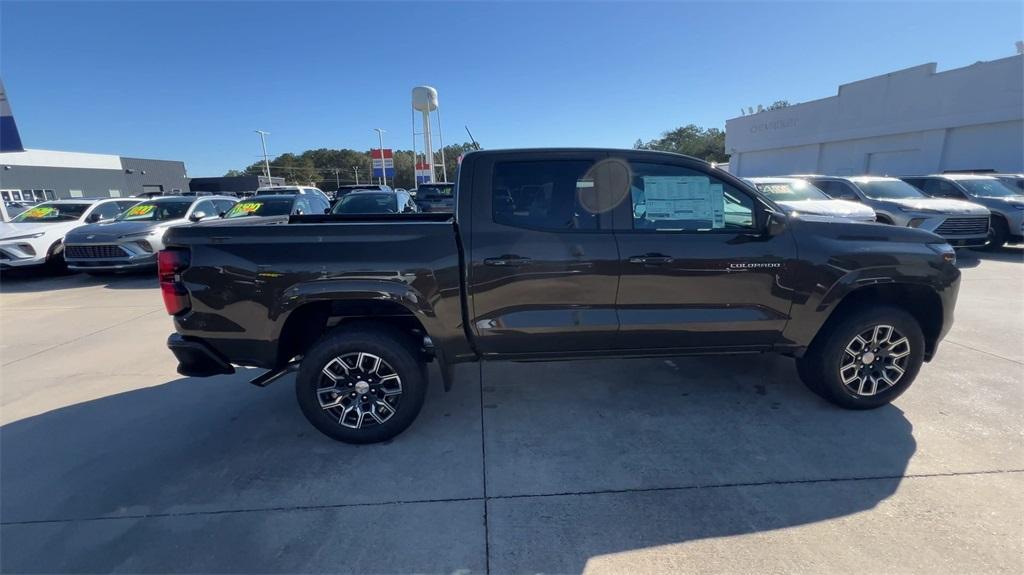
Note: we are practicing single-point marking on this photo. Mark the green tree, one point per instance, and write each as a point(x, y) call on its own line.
point(692, 140)
point(779, 104)
point(233, 173)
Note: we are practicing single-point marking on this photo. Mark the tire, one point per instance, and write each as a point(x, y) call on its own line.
point(55, 259)
point(872, 380)
point(998, 234)
point(347, 399)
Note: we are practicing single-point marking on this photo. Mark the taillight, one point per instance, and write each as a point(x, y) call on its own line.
point(170, 263)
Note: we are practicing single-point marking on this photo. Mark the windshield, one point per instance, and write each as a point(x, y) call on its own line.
point(791, 191)
point(274, 192)
point(435, 190)
point(155, 211)
point(987, 188)
point(367, 204)
point(275, 207)
point(48, 213)
point(890, 190)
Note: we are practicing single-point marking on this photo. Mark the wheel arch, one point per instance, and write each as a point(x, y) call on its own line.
point(919, 300)
point(312, 310)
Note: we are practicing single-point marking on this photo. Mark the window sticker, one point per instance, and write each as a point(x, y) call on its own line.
point(689, 198)
point(246, 208)
point(141, 210)
point(40, 213)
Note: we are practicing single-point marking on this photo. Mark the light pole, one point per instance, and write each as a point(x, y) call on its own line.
point(266, 162)
point(356, 170)
point(383, 169)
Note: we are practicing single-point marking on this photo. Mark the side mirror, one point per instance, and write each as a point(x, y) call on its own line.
point(775, 223)
point(93, 218)
point(222, 214)
point(327, 210)
point(196, 216)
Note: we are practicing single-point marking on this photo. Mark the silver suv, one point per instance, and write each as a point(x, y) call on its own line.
point(962, 224)
point(1005, 203)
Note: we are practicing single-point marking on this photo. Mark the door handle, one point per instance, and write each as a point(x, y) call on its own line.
point(507, 261)
point(652, 260)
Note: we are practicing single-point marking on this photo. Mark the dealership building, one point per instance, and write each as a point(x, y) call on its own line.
point(37, 175)
point(913, 121)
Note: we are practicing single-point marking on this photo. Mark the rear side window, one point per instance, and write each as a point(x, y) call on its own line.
point(543, 195)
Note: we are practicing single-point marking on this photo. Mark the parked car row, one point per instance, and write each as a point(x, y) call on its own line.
point(95, 235)
point(967, 210)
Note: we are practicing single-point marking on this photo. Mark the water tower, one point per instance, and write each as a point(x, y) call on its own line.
point(424, 101)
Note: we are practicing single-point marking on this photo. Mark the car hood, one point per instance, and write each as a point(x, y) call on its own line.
point(113, 231)
point(834, 208)
point(958, 207)
point(8, 229)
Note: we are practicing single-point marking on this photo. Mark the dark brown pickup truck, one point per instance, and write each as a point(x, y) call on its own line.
point(555, 254)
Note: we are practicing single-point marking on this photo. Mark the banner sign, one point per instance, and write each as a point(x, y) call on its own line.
point(422, 172)
point(383, 164)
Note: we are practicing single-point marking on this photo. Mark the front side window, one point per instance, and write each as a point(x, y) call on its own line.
point(106, 211)
point(675, 198)
point(548, 195)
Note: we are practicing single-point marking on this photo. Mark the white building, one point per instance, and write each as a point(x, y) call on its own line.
point(913, 121)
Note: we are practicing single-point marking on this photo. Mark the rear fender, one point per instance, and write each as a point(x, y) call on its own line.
point(355, 290)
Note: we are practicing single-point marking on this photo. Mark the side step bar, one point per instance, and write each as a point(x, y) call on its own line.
point(275, 374)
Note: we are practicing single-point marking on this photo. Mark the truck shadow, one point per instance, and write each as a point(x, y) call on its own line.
point(607, 457)
point(664, 451)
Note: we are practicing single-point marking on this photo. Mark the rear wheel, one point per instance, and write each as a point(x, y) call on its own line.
point(361, 386)
point(865, 360)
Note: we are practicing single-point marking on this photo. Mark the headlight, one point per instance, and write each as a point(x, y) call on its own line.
point(945, 250)
point(24, 237)
point(918, 210)
point(143, 235)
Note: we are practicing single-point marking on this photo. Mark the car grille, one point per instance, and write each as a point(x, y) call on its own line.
point(963, 226)
point(95, 252)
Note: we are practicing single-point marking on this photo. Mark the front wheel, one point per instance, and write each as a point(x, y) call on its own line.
point(865, 360)
point(361, 386)
point(998, 233)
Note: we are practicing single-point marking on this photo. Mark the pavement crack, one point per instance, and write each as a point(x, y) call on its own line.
point(81, 337)
point(486, 498)
point(964, 345)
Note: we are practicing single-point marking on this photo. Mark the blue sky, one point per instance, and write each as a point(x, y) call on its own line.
point(191, 81)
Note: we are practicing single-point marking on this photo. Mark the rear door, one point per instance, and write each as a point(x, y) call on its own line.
point(542, 259)
point(698, 271)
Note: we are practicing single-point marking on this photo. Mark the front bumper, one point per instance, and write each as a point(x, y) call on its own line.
point(108, 257)
point(21, 255)
point(195, 358)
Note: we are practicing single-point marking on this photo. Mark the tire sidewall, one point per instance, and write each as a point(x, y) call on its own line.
point(832, 354)
point(392, 348)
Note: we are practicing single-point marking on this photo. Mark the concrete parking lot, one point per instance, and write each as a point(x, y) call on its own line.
point(110, 461)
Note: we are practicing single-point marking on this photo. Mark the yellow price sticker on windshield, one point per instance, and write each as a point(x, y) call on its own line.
point(246, 207)
point(36, 213)
point(140, 210)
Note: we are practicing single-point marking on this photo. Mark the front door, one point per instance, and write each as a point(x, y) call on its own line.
point(543, 263)
point(698, 270)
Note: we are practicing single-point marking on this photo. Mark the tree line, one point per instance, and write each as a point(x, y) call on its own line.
point(327, 168)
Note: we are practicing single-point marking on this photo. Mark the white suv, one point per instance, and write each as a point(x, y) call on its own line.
point(36, 236)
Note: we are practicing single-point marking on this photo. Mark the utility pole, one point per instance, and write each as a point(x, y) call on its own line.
point(383, 169)
point(337, 178)
point(266, 161)
point(356, 170)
